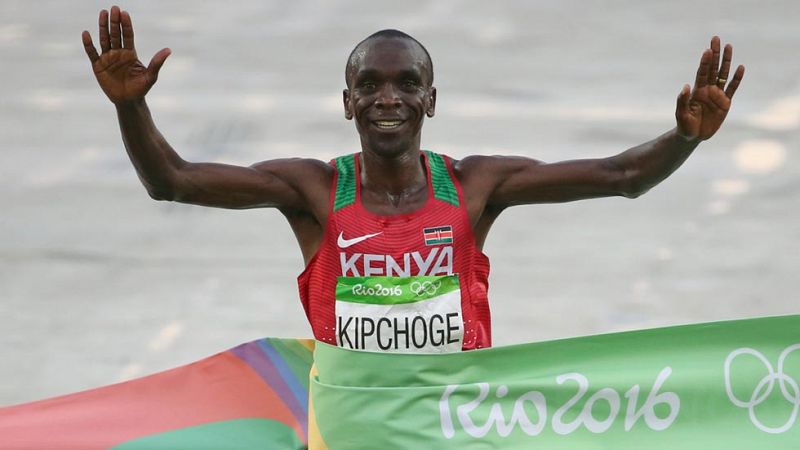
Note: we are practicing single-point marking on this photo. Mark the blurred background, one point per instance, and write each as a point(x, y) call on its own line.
point(99, 283)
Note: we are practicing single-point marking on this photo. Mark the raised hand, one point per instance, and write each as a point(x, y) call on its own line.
point(118, 70)
point(702, 109)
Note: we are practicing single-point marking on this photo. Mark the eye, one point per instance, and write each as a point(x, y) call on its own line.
point(368, 85)
point(409, 84)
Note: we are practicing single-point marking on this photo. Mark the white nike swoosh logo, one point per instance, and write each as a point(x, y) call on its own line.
point(344, 243)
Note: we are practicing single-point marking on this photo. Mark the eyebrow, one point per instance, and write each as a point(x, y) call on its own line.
point(413, 74)
point(366, 73)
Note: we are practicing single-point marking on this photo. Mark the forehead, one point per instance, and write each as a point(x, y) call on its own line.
point(388, 55)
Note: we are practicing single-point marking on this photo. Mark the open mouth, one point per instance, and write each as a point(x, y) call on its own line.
point(388, 124)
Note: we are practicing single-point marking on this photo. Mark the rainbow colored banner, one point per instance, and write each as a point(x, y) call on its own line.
point(727, 385)
point(252, 397)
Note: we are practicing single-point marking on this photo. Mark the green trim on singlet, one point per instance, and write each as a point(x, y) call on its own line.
point(345, 182)
point(443, 187)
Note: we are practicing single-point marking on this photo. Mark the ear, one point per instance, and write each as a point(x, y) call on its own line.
point(348, 114)
point(431, 110)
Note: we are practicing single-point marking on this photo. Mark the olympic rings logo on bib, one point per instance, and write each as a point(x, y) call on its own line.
point(788, 386)
point(428, 287)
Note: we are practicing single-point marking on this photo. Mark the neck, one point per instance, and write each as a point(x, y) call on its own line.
point(399, 175)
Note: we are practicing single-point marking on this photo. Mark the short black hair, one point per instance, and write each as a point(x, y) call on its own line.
point(387, 34)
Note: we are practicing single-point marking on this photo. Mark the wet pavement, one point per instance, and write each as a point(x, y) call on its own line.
point(99, 283)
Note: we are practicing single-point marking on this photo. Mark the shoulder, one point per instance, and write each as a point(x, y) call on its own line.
point(489, 170)
point(483, 176)
point(310, 179)
point(472, 164)
point(291, 170)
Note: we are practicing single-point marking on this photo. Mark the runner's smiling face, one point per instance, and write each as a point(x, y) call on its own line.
point(389, 94)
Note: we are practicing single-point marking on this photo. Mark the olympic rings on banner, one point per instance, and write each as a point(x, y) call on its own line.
point(428, 287)
point(788, 386)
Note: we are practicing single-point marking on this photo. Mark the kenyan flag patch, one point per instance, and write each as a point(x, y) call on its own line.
point(438, 235)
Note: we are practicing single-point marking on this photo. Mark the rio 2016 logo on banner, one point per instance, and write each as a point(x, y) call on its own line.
point(762, 390)
point(520, 418)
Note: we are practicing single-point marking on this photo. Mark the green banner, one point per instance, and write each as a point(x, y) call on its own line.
point(727, 385)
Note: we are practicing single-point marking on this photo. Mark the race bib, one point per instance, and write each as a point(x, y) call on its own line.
point(419, 314)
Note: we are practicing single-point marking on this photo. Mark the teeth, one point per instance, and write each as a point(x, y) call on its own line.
point(388, 123)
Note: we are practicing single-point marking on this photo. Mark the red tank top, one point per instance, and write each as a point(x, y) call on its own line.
point(364, 253)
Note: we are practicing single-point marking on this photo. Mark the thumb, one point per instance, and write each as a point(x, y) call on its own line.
point(155, 64)
point(683, 100)
point(682, 114)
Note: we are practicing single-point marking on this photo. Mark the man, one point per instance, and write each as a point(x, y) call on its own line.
point(392, 236)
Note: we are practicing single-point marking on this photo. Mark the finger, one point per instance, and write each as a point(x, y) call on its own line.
point(702, 71)
point(727, 56)
point(712, 75)
point(734, 84)
point(155, 64)
point(105, 43)
point(116, 37)
point(91, 52)
point(127, 31)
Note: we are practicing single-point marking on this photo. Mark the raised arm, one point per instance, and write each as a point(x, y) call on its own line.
point(700, 112)
point(291, 183)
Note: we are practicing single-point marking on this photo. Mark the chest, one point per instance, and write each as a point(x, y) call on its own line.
point(419, 244)
point(384, 204)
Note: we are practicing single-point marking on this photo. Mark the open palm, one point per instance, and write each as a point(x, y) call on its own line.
point(702, 109)
point(118, 70)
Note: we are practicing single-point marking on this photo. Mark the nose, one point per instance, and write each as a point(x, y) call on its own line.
point(387, 97)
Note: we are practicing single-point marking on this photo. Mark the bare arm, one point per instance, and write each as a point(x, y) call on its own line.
point(630, 173)
point(291, 183)
point(275, 183)
point(699, 114)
